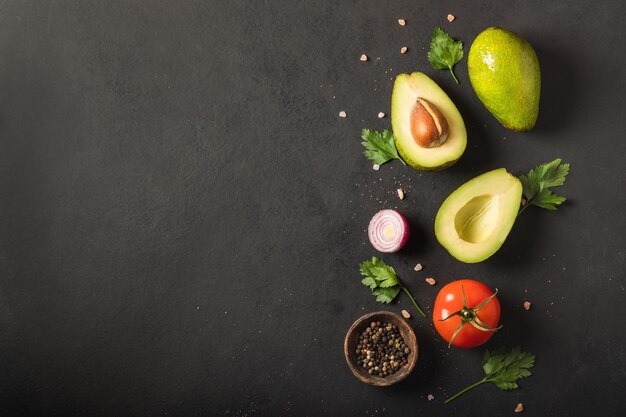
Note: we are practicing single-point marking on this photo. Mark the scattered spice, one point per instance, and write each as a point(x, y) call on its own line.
point(403, 50)
point(342, 114)
point(400, 193)
point(527, 305)
point(381, 115)
point(381, 350)
point(375, 167)
point(406, 314)
point(418, 267)
point(402, 22)
point(363, 58)
point(519, 408)
point(451, 18)
point(431, 397)
point(431, 281)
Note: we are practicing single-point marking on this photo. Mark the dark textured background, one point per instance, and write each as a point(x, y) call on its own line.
point(182, 212)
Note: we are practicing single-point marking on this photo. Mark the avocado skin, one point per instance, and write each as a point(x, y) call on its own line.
point(504, 71)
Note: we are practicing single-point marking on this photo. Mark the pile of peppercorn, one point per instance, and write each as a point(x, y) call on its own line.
point(381, 349)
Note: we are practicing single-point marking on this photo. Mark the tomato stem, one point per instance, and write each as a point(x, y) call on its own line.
point(468, 315)
point(413, 300)
point(464, 390)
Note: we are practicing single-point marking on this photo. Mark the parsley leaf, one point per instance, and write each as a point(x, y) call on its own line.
point(383, 281)
point(503, 369)
point(386, 295)
point(537, 183)
point(386, 276)
point(444, 52)
point(379, 147)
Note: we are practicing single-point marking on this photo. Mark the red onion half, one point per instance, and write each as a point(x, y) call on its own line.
point(388, 231)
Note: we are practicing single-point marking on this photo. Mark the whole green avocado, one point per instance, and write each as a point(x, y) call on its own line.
point(504, 71)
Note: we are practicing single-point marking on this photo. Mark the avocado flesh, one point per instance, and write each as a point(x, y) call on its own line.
point(474, 221)
point(406, 89)
point(504, 72)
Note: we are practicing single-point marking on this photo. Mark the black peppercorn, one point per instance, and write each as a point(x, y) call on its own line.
point(381, 349)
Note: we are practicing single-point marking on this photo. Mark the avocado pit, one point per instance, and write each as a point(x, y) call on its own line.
point(429, 127)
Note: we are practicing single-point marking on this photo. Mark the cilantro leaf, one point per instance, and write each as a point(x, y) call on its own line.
point(444, 52)
point(379, 146)
point(383, 281)
point(386, 276)
point(386, 295)
point(377, 274)
point(369, 282)
point(537, 183)
point(503, 369)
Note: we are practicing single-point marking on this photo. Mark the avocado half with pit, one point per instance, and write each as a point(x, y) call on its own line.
point(428, 129)
point(474, 221)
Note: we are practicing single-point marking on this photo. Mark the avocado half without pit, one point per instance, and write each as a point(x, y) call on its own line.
point(428, 129)
point(474, 221)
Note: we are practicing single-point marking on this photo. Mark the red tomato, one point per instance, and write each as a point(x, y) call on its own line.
point(449, 303)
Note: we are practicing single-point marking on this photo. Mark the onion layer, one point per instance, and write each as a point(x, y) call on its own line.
point(388, 231)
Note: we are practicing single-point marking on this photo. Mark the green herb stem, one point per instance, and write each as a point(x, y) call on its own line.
point(463, 391)
point(413, 300)
point(522, 208)
point(454, 76)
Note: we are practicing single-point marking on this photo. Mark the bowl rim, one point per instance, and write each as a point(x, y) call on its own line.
point(406, 331)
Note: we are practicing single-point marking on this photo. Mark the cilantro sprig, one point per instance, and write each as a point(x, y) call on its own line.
point(503, 369)
point(444, 52)
point(383, 281)
point(537, 183)
point(379, 146)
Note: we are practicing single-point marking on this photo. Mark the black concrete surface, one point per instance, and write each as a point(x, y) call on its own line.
point(182, 212)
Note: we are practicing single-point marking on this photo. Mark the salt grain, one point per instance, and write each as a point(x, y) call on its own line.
point(431, 397)
point(400, 193)
point(342, 114)
point(403, 50)
point(431, 281)
point(401, 22)
point(451, 18)
point(375, 167)
point(363, 58)
point(527, 305)
point(418, 267)
point(519, 408)
point(381, 115)
point(406, 314)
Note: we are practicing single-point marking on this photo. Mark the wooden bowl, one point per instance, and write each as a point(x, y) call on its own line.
point(352, 337)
